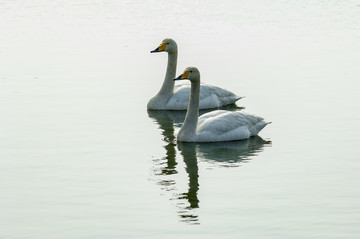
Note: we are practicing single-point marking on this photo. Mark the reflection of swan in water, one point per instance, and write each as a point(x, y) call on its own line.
point(222, 153)
point(165, 168)
point(219, 154)
point(167, 164)
point(192, 169)
point(228, 153)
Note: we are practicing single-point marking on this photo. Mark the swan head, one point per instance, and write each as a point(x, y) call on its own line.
point(167, 45)
point(191, 73)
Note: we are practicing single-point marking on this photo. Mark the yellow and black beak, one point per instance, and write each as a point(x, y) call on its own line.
point(160, 48)
point(183, 76)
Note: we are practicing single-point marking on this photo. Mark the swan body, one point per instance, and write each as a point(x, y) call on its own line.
point(210, 97)
point(176, 96)
point(218, 125)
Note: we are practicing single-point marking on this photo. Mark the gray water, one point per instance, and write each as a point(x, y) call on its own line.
point(81, 157)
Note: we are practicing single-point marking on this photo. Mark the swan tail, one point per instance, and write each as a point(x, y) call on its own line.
point(239, 97)
point(260, 125)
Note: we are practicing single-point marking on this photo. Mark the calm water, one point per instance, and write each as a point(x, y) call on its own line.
point(81, 157)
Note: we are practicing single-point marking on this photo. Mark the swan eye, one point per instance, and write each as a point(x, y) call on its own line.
point(190, 71)
point(167, 43)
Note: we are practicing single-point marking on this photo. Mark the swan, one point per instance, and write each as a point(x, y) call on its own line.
point(215, 126)
point(176, 97)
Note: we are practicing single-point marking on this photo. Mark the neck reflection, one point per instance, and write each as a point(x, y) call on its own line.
point(165, 168)
point(191, 166)
point(220, 154)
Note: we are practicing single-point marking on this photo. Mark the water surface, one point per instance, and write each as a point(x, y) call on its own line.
point(81, 157)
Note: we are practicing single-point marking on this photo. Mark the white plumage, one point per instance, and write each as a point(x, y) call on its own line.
point(210, 97)
point(218, 125)
point(176, 96)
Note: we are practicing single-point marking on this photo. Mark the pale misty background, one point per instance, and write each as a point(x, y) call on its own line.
point(81, 157)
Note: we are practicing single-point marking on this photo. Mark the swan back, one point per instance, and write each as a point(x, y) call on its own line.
point(222, 125)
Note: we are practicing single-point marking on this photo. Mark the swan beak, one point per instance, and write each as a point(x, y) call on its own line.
point(156, 50)
point(177, 78)
point(160, 48)
point(183, 76)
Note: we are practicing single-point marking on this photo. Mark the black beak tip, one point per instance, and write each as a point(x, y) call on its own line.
point(156, 50)
point(177, 78)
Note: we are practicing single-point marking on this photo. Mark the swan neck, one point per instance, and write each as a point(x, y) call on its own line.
point(192, 114)
point(168, 84)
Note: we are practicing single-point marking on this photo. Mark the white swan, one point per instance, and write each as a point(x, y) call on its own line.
point(176, 97)
point(218, 125)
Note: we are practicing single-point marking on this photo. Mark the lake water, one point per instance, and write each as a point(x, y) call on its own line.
point(81, 157)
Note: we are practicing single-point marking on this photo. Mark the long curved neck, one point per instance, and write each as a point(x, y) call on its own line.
point(168, 84)
point(192, 114)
